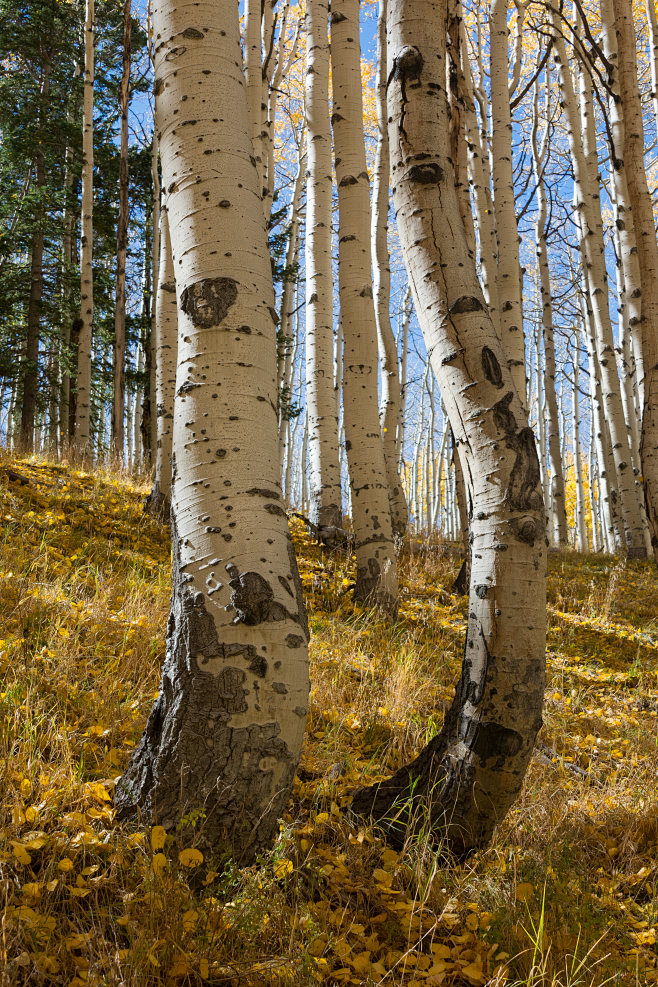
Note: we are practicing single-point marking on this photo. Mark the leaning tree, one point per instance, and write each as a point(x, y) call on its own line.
point(224, 736)
point(467, 777)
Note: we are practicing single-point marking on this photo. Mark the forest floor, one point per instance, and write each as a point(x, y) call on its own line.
point(567, 894)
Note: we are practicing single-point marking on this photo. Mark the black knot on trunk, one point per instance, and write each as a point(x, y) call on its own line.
point(491, 367)
point(207, 302)
point(407, 64)
point(426, 174)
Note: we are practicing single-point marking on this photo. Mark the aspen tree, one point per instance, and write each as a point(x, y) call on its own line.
point(465, 780)
point(285, 362)
point(166, 350)
point(582, 145)
point(558, 515)
point(223, 739)
point(647, 250)
point(149, 424)
point(388, 354)
point(253, 70)
point(119, 355)
point(579, 519)
point(278, 63)
point(81, 400)
point(628, 265)
point(652, 24)
point(376, 569)
point(509, 275)
point(402, 416)
point(324, 480)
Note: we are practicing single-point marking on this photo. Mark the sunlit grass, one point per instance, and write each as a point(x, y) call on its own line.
point(566, 895)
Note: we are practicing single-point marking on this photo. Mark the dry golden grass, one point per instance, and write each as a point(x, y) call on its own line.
point(566, 895)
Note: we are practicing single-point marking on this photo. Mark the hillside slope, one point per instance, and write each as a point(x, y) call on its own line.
point(570, 886)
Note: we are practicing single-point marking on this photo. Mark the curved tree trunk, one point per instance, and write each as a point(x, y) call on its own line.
point(325, 486)
point(376, 569)
point(225, 735)
point(80, 408)
point(467, 777)
point(389, 408)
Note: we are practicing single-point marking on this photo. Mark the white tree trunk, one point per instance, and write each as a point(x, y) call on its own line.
point(376, 575)
point(509, 276)
point(82, 438)
point(119, 348)
point(325, 485)
point(468, 776)
point(583, 154)
point(579, 519)
point(225, 734)
point(558, 514)
point(647, 250)
point(402, 418)
point(166, 352)
point(389, 409)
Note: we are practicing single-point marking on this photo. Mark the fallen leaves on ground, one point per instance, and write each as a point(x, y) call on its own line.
point(571, 877)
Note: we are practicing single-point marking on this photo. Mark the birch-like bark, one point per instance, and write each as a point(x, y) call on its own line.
point(509, 276)
point(652, 23)
point(225, 734)
point(149, 418)
point(119, 349)
point(389, 408)
point(81, 402)
point(402, 417)
point(376, 569)
point(325, 486)
point(579, 518)
point(582, 145)
point(558, 513)
point(600, 433)
point(253, 70)
point(630, 295)
point(647, 251)
point(285, 346)
point(465, 780)
point(166, 351)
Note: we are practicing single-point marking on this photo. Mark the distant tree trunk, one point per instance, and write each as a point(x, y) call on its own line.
point(80, 410)
point(388, 353)
point(652, 22)
point(647, 250)
point(325, 485)
point(402, 416)
point(166, 349)
point(67, 267)
point(149, 423)
point(465, 780)
point(119, 378)
point(31, 359)
point(579, 519)
point(583, 155)
point(376, 569)
point(224, 737)
point(558, 514)
point(286, 341)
